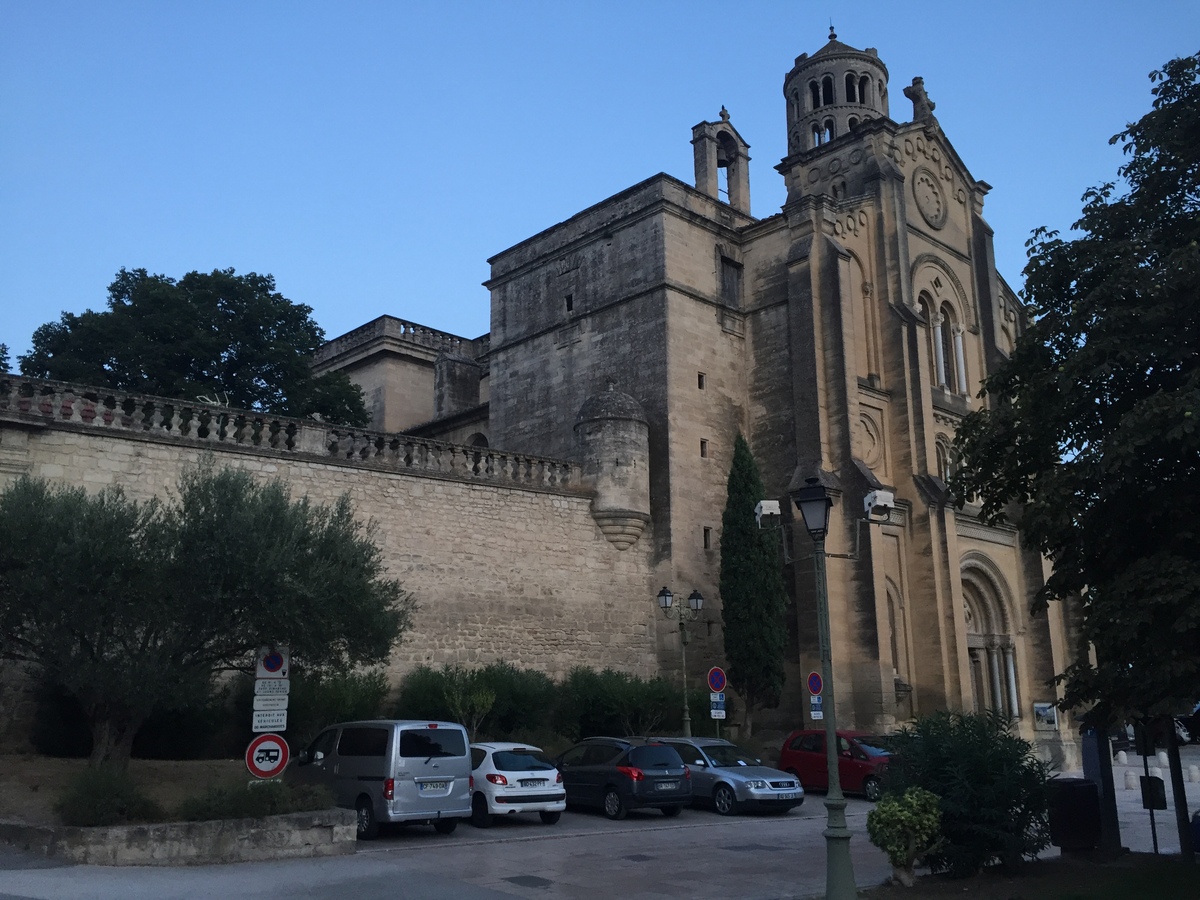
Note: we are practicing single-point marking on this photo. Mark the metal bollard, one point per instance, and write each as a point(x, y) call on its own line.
point(1193, 774)
point(1122, 758)
point(1162, 758)
point(1155, 772)
point(1131, 780)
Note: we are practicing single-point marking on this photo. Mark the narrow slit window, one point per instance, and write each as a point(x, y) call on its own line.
point(703, 449)
point(707, 538)
point(700, 381)
point(570, 302)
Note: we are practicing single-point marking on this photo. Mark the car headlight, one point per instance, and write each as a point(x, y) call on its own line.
point(756, 785)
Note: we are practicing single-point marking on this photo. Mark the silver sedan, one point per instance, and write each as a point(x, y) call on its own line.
point(733, 780)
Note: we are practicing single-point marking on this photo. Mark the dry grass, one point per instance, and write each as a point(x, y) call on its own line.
point(30, 785)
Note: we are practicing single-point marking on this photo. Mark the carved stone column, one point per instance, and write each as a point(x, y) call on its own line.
point(1010, 671)
point(939, 358)
point(960, 361)
point(993, 652)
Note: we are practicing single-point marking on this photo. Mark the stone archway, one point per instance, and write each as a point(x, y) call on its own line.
point(991, 650)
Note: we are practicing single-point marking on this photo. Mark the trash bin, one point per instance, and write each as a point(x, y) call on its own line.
point(1074, 806)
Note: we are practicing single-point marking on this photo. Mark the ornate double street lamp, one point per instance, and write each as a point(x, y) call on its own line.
point(684, 614)
point(814, 503)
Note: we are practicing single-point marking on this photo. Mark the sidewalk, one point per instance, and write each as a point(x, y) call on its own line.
point(1134, 821)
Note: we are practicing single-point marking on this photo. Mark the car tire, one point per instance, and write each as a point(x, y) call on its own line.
point(445, 826)
point(671, 811)
point(480, 816)
point(725, 800)
point(614, 806)
point(550, 818)
point(368, 824)
point(872, 788)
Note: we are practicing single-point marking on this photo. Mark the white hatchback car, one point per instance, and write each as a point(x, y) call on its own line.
point(514, 778)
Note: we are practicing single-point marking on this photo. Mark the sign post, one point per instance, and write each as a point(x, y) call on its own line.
point(716, 686)
point(816, 708)
point(267, 755)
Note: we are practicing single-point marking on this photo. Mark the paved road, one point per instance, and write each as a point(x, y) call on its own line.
point(698, 855)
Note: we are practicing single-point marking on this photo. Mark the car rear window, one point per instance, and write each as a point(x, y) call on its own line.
point(431, 742)
point(655, 756)
point(520, 761)
point(363, 742)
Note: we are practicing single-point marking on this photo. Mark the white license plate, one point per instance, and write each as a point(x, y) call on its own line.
point(433, 785)
point(787, 796)
point(668, 785)
point(533, 782)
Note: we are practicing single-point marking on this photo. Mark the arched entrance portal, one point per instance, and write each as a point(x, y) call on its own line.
point(991, 650)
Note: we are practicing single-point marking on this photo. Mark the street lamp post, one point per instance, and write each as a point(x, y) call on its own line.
point(814, 505)
point(684, 614)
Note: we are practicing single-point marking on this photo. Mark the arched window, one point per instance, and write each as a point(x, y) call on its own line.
point(853, 123)
point(817, 135)
point(829, 131)
point(864, 84)
point(946, 336)
point(827, 90)
point(814, 91)
point(991, 652)
point(851, 88)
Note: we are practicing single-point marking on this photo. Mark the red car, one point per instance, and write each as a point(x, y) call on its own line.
point(860, 762)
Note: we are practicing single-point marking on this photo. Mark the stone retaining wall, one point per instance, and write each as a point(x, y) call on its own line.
point(329, 832)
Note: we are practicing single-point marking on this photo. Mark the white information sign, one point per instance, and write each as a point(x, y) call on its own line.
point(716, 696)
point(272, 686)
point(273, 662)
point(269, 720)
point(816, 714)
point(717, 713)
point(276, 701)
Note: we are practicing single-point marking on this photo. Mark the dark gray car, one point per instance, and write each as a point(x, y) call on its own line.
point(620, 774)
point(732, 780)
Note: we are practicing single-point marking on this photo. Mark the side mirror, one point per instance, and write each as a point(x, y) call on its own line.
point(847, 754)
point(317, 756)
point(302, 758)
point(700, 763)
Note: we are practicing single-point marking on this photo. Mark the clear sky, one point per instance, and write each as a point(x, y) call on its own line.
point(373, 155)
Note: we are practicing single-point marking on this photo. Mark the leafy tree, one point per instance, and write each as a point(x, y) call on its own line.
point(752, 592)
point(133, 607)
point(230, 338)
point(3, 357)
point(1092, 422)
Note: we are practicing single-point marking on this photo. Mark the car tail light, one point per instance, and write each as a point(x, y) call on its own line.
point(389, 789)
point(687, 773)
point(632, 773)
point(471, 782)
point(558, 777)
point(496, 779)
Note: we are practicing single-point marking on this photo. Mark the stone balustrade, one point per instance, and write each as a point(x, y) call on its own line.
point(51, 403)
point(401, 330)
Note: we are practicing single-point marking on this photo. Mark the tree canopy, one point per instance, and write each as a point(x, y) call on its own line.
point(1091, 426)
point(231, 338)
point(134, 607)
point(753, 600)
point(3, 357)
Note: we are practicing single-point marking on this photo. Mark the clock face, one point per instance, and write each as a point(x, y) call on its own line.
point(928, 195)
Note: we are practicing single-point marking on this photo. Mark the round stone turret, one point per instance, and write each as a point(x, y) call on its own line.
point(613, 445)
point(831, 92)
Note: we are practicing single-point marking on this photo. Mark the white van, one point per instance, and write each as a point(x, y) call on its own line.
point(392, 771)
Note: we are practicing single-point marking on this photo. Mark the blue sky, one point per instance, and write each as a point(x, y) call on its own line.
point(372, 156)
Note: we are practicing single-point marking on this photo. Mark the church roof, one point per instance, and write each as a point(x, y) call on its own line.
point(835, 46)
point(610, 404)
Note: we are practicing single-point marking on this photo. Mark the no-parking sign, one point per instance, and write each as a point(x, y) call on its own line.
point(716, 679)
point(267, 756)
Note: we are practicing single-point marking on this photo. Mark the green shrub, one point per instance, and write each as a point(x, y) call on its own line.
point(524, 700)
point(990, 786)
point(239, 800)
point(616, 703)
point(906, 827)
point(105, 796)
point(423, 696)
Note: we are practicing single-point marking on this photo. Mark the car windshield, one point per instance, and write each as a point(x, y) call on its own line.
point(521, 761)
point(655, 756)
point(872, 750)
point(728, 756)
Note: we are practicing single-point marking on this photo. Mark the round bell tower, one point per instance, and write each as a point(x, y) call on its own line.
point(832, 92)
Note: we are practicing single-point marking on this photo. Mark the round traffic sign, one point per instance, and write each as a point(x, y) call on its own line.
point(716, 679)
point(267, 756)
point(273, 661)
point(814, 683)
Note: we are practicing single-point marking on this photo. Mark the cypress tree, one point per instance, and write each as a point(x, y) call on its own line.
point(753, 599)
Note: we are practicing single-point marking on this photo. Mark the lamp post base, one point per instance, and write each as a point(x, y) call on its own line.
point(839, 870)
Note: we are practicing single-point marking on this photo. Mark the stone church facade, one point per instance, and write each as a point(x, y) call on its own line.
point(844, 336)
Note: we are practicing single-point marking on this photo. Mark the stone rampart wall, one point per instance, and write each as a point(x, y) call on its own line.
point(500, 550)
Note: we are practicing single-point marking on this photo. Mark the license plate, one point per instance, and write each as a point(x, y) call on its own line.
point(668, 785)
point(533, 782)
point(787, 796)
point(433, 785)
